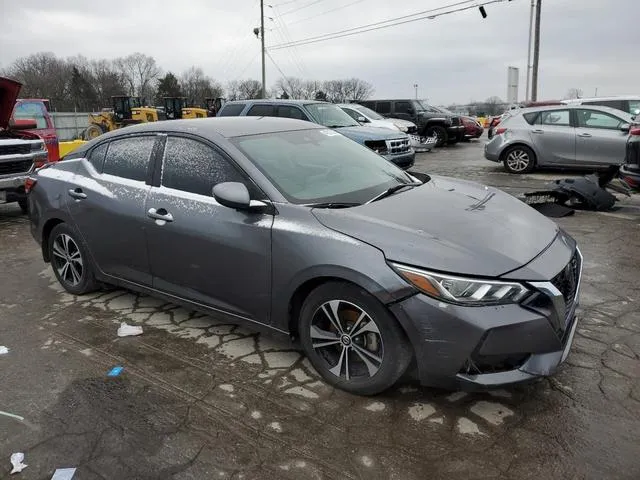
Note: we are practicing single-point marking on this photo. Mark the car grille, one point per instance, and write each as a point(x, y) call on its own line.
point(567, 282)
point(20, 166)
point(21, 149)
point(398, 146)
point(478, 364)
point(378, 146)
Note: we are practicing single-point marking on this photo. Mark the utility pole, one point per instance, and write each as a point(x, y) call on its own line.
point(536, 53)
point(264, 88)
point(533, 9)
point(415, 85)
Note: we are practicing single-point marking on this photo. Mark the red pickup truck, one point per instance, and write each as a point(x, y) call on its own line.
point(38, 110)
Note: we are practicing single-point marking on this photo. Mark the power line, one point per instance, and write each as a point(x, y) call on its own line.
point(301, 7)
point(324, 13)
point(427, 14)
point(283, 3)
point(297, 60)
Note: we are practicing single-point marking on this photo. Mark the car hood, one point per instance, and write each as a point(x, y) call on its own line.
point(369, 133)
point(449, 226)
point(399, 121)
point(9, 90)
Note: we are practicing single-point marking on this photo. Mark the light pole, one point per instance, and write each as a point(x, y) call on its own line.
point(264, 88)
point(415, 85)
point(533, 6)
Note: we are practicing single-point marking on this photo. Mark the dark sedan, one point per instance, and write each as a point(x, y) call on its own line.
point(294, 228)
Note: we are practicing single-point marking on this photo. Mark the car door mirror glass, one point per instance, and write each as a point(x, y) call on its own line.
point(233, 195)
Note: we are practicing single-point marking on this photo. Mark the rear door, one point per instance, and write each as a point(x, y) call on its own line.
point(201, 250)
point(106, 202)
point(554, 137)
point(35, 110)
point(599, 139)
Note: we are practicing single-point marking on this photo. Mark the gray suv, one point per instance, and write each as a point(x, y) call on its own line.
point(393, 146)
point(291, 227)
point(431, 121)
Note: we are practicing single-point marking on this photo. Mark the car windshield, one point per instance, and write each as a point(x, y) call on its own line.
point(320, 166)
point(368, 112)
point(330, 115)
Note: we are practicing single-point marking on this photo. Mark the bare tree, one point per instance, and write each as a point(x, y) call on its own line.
point(573, 93)
point(292, 86)
point(140, 73)
point(107, 81)
point(249, 89)
point(339, 91)
point(197, 87)
point(493, 105)
point(233, 90)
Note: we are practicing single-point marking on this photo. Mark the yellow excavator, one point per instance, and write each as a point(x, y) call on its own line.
point(126, 111)
point(175, 108)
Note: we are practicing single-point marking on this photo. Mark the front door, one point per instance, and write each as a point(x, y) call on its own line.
point(599, 140)
point(554, 137)
point(200, 250)
point(106, 201)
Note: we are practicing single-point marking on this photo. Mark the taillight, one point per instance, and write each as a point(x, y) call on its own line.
point(634, 131)
point(29, 183)
point(500, 130)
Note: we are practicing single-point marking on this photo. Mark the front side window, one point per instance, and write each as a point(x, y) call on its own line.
point(596, 119)
point(288, 111)
point(404, 107)
point(31, 111)
point(129, 157)
point(330, 115)
point(96, 157)
point(231, 110)
point(368, 113)
point(309, 166)
point(262, 111)
point(191, 166)
point(558, 118)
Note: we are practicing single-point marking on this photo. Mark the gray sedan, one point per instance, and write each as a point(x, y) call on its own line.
point(291, 227)
point(560, 136)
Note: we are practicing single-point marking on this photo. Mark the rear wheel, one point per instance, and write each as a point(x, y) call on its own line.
point(70, 261)
point(439, 132)
point(352, 340)
point(519, 159)
point(92, 131)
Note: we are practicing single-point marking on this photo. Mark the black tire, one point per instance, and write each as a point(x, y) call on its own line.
point(24, 205)
point(519, 159)
point(381, 341)
point(66, 248)
point(439, 132)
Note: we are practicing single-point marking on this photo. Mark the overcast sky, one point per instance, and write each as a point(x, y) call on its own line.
point(586, 44)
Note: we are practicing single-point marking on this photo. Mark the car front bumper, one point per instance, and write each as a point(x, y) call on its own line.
point(460, 347)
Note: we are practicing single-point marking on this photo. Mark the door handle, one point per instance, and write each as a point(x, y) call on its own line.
point(160, 214)
point(77, 193)
point(537, 130)
point(585, 135)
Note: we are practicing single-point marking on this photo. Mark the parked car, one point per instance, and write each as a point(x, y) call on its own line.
point(21, 150)
point(289, 226)
point(495, 121)
point(472, 128)
point(560, 136)
point(393, 146)
point(431, 122)
point(366, 116)
point(629, 104)
point(38, 109)
point(630, 171)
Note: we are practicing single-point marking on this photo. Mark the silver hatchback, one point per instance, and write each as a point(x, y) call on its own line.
point(560, 136)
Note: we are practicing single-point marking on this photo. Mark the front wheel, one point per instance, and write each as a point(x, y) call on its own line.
point(352, 340)
point(439, 132)
point(70, 261)
point(519, 159)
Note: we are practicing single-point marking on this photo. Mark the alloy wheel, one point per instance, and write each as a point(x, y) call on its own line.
point(67, 259)
point(518, 160)
point(347, 339)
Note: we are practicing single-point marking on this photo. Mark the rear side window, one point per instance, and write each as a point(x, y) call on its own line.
point(262, 111)
point(31, 111)
point(618, 104)
point(530, 117)
point(129, 157)
point(288, 111)
point(634, 107)
point(383, 108)
point(558, 118)
point(404, 107)
point(192, 166)
point(96, 156)
point(231, 110)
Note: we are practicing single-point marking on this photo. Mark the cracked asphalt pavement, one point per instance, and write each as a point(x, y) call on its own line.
point(200, 398)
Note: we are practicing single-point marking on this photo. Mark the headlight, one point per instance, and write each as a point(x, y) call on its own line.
point(37, 147)
point(460, 290)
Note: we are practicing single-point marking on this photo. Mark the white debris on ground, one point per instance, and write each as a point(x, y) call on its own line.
point(16, 462)
point(129, 330)
point(3, 350)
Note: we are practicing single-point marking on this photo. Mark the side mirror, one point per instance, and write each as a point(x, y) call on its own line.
point(233, 195)
point(362, 120)
point(625, 127)
point(23, 124)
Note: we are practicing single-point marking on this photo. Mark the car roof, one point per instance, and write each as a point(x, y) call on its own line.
point(603, 99)
point(280, 101)
point(613, 111)
point(227, 127)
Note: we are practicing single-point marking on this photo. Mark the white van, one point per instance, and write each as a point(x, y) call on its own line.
point(629, 104)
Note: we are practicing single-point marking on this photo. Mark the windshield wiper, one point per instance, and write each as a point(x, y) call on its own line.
point(332, 204)
point(392, 190)
point(341, 126)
